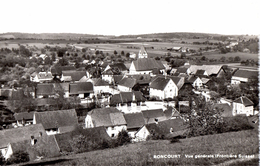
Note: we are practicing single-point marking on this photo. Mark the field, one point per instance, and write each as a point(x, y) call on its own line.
point(233, 143)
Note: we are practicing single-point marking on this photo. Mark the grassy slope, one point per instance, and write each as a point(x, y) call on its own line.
point(243, 142)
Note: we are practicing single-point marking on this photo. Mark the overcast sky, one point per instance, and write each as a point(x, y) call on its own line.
point(122, 17)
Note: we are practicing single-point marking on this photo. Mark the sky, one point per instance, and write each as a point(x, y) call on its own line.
point(125, 17)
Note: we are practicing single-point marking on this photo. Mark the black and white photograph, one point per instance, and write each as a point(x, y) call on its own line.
point(129, 83)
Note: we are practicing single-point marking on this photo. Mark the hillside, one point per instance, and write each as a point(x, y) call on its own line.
point(233, 143)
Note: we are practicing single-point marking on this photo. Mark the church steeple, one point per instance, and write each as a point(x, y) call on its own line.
point(142, 53)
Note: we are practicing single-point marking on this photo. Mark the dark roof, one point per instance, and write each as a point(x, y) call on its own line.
point(144, 64)
point(75, 75)
point(182, 70)
point(244, 100)
point(134, 120)
point(100, 82)
point(46, 144)
point(127, 82)
point(45, 89)
point(246, 73)
point(126, 97)
point(120, 66)
point(117, 78)
point(107, 117)
point(96, 134)
point(44, 101)
point(24, 116)
point(57, 70)
point(164, 127)
point(159, 83)
point(191, 79)
point(179, 81)
point(56, 119)
point(200, 72)
point(141, 78)
point(81, 87)
point(151, 115)
point(20, 134)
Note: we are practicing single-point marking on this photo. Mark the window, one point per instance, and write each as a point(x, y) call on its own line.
point(113, 135)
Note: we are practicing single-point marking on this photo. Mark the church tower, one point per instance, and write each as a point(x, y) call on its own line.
point(142, 53)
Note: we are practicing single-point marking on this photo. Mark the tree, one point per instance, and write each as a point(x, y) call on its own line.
point(203, 58)
point(237, 59)
point(63, 62)
point(115, 52)
point(204, 119)
point(19, 157)
point(123, 138)
point(53, 56)
point(222, 59)
point(2, 159)
point(122, 53)
point(47, 61)
point(230, 59)
point(127, 55)
point(183, 55)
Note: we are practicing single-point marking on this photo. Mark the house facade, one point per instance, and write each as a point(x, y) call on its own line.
point(162, 88)
point(243, 106)
point(145, 66)
point(243, 76)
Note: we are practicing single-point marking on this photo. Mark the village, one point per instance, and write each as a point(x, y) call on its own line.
point(99, 99)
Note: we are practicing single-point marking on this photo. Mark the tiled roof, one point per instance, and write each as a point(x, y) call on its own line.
point(210, 69)
point(24, 115)
point(75, 75)
point(200, 72)
point(151, 115)
point(100, 82)
point(134, 120)
point(20, 134)
point(145, 64)
point(246, 73)
point(81, 87)
point(182, 70)
point(117, 78)
point(56, 119)
point(159, 83)
point(244, 100)
point(127, 82)
point(120, 66)
point(141, 78)
point(106, 117)
point(126, 97)
point(45, 89)
point(179, 81)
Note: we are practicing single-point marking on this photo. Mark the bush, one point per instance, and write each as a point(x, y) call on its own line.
point(174, 140)
point(81, 144)
point(236, 123)
point(123, 138)
point(2, 160)
point(18, 157)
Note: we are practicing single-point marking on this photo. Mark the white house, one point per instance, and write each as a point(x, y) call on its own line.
point(195, 81)
point(41, 77)
point(101, 86)
point(126, 84)
point(111, 118)
point(163, 88)
point(243, 105)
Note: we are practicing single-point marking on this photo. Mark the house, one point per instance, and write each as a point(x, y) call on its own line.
point(184, 70)
point(55, 121)
point(153, 116)
point(134, 121)
point(164, 129)
point(41, 77)
point(145, 66)
point(243, 76)
point(212, 70)
point(45, 90)
point(81, 89)
point(111, 118)
point(101, 86)
point(243, 105)
point(19, 134)
point(163, 88)
point(36, 147)
point(126, 84)
point(201, 73)
point(194, 81)
point(117, 66)
point(96, 134)
point(179, 81)
point(57, 70)
point(24, 118)
point(72, 76)
point(128, 102)
point(142, 53)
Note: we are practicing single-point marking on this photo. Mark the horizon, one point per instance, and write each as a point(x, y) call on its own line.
point(117, 18)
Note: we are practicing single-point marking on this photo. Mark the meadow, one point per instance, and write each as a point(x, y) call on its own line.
point(142, 153)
